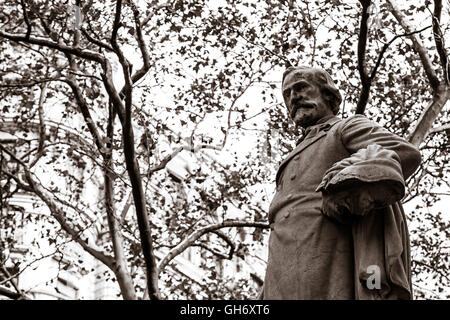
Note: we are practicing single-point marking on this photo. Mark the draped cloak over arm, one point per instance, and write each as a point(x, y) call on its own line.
point(364, 190)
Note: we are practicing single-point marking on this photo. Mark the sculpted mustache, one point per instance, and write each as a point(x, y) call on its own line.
point(297, 105)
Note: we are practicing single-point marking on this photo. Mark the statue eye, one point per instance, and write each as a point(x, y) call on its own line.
point(286, 93)
point(300, 86)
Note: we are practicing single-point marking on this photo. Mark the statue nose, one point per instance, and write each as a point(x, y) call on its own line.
point(296, 97)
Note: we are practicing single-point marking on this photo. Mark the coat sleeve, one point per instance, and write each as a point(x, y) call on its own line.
point(358, 133)
point(372, 177)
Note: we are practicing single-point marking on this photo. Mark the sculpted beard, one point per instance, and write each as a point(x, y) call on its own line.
point(301, 114)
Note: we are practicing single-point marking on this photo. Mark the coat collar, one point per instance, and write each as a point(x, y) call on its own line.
point(311, 135)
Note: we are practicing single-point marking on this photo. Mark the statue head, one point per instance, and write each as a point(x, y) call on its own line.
point(310, 94)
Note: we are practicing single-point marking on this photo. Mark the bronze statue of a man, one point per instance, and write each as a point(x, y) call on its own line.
point(338, 230)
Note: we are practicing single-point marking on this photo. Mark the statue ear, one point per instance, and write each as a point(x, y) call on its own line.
point(332, 100)
point(328, 95)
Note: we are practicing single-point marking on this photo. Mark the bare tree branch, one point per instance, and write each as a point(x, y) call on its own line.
point(28, 84)
point(221, 255)
point(121, 270)
point(418, 47)
point(141, 43)
point(15, 275)
point(57, 211)
point(86, 54)
point(26, 19)
point(439, 40)
point(445, 127)
point(84, 109)
point(12, 281)
point(195, 235)
point(58, 214)
point(213, 251)
point(116, 24)
point(10, 294)
point(132, 164)
point(441, 91)
point(386, 46)
point(230, 243)
point(40, 149)
point(95, 41)
point(362, 41)
point(432, 111)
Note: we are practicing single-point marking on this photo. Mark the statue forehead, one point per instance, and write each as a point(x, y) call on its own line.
point(308, 74)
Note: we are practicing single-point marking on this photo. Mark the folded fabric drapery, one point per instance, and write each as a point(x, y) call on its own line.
point(364, 190)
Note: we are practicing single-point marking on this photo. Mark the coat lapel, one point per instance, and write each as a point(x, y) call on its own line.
point(306, 143)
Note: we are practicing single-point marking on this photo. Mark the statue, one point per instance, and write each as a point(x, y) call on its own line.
point(338, 230)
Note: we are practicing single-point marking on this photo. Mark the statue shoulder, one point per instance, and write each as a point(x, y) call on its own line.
point(357, 120)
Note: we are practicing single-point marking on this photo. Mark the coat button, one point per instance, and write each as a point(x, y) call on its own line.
point(287, 214)
point(293, 176)
point(297, 157)
point(289, 196)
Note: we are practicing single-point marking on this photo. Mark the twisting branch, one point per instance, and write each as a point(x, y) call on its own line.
point(445, 127)
point(82, 53)
point(40, 149)
point(439, 40)
point(26, 19)
point(194, 236)
point(386, 46)
point(362, 42)
point(84, 109)
point(141, 43)
point(123, 275)
point(95, 41)
point(213, 251)
point(230, 243)
point(131, 162)
point(418, 47)
point(10, 294)
point(28, 84)
point(116, 23)
point(58, 214)
point(119, 267)
point(366, 79)
point(441, 91)
point(12, 281)
point(56, 210)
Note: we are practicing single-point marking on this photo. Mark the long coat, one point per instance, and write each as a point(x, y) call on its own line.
point(315, 256)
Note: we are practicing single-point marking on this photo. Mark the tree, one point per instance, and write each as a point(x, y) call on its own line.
point(126, 74)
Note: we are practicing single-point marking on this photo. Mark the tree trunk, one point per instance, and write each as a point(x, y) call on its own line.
point(423, 126)
point(120, 265)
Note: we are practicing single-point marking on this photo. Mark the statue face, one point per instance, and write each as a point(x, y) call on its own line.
point(304, 99)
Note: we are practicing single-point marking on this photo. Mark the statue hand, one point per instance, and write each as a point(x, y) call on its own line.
point(357, 199)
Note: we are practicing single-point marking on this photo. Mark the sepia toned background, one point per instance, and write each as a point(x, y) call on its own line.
point(140, 139)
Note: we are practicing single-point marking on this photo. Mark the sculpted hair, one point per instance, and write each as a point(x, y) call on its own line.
point(324, 81)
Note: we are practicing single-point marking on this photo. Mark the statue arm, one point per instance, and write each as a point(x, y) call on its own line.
point(372, 177)
point(359, 132)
